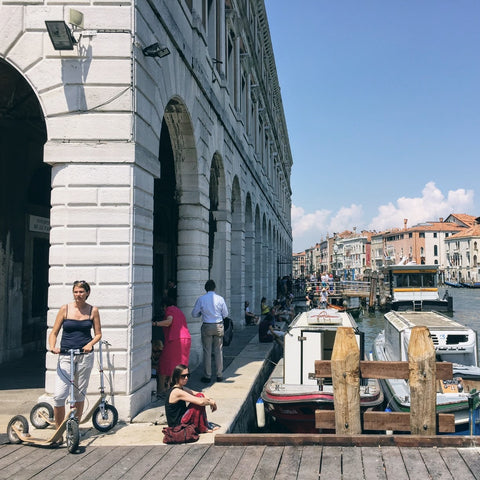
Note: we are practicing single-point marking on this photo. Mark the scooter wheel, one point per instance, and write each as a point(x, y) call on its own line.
point(41, 415)
point(21, 424)
point(72, 434)
point(103, 423)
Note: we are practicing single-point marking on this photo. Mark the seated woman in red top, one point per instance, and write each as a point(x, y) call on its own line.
point(179, 395)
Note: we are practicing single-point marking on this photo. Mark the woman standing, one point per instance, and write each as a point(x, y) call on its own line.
point(77, 320)
point(176, 345)
point(179, 395)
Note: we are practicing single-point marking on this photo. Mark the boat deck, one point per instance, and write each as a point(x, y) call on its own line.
point(429, 319)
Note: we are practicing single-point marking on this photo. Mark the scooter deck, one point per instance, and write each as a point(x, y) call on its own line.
point(27, 438)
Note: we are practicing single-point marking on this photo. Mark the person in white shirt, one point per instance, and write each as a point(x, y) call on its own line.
point(213, 309)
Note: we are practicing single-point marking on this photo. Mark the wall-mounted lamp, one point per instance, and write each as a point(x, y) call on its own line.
point(60, 35)
point(156, 50)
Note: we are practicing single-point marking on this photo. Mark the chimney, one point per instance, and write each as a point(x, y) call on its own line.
point(440, 219)
point(405, 220)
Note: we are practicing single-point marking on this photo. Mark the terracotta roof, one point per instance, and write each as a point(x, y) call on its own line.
point(464, 218)
point(473, 231)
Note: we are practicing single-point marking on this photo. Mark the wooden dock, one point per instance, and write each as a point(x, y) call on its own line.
point(198, 462)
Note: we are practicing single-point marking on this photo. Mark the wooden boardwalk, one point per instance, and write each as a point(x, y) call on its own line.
point(198, 462)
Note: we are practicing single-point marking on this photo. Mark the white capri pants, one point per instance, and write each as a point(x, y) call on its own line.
point(82, 365)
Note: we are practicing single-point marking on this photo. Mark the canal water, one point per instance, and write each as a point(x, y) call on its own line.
point(466, 306)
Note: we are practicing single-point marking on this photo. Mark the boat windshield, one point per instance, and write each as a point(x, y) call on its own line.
point(424, 279)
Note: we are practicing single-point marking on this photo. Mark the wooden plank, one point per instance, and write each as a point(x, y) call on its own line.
point(383, 370)
point(423, 393)
point(144, 465)
point(309, 467)
point(193, 454)
point(12, 454)
point(248, 463)
point(456, 464)
point(205, 466)
point(268, 464)
point(126, 464)
point(435, 465)
point(65, 463)
point(289, 463)
point(472, 459)
point(325, 419)
point(331, 464)
point(346, 382)
point(393, 463)
point(13, 470)
point(400, 421)
point(32, 467)
point(281, 439)
point(98, 468)
point(352, 463)
point(161, 468)
point(227, 464)
point(414, 464)
point(373, 464)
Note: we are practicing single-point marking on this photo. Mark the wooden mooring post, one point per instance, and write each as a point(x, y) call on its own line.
point(421, 370)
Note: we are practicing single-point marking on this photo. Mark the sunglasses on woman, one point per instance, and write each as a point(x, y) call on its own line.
point(184, 375)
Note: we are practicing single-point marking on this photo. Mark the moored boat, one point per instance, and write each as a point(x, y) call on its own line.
point(415, 287)
point(453, 343)
point(292, 394)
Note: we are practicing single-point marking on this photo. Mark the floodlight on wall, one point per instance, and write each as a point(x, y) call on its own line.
point(60, 35)
point(156, 50)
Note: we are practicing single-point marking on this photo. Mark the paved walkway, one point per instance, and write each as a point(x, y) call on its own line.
point(21, 384)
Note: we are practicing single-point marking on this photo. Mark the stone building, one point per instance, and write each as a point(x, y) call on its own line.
point(154, 147)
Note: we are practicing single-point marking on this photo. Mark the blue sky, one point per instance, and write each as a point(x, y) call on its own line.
point(382, 103)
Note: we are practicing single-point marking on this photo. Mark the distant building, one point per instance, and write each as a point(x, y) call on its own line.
point(462, 252)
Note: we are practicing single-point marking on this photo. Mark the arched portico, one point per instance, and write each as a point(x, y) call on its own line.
point(25, 220)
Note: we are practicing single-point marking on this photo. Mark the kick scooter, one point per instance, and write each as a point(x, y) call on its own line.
point(17, 430)
point(104, 416)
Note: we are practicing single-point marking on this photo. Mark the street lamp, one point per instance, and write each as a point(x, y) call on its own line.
point(335, 252)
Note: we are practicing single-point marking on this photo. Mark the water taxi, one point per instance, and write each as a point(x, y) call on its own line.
point(292, 393)
point(453, 343)
point(415, 287)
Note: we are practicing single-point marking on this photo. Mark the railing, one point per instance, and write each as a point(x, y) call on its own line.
point(422, 371)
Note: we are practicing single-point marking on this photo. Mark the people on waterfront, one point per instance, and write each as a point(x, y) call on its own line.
point(76, 320)
point(264, 308)
point(171, 290)
point(267, 332)
point(330, 283)
point(213, 309)
point(178, 396)
point(250, 317)
point(176, 344)
point(324, 298)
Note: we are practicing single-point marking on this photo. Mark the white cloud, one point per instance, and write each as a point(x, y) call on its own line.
point(430, 206)
point(310, 228)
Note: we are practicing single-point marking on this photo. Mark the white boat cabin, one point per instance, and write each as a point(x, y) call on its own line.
point(311, 337)
point(453, 342)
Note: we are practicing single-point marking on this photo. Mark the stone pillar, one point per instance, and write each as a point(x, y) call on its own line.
point(192, 268)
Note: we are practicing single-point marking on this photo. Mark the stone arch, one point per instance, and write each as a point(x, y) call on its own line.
point(191, 232)
point(25, 187)
point(250, 288)
point(219, 219)
point(259, 285)
point(237, 264)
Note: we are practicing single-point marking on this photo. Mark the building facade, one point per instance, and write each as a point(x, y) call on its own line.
point(155, 148)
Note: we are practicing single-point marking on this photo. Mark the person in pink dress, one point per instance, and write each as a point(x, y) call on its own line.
point(176, 345)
